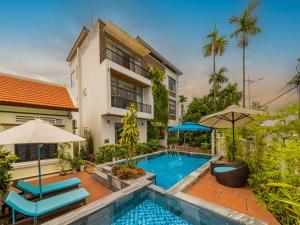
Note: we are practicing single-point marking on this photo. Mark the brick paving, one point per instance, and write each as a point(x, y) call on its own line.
point(95, 189)
point(239, 199)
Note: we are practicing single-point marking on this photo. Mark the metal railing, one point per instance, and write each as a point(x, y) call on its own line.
point(125, 103)
point(124, 61)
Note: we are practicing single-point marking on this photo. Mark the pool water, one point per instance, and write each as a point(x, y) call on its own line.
point(149, 213)
point(170, 168)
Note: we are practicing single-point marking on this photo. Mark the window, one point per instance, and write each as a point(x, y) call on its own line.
point(172, 84)
point(28, 152)
point(73, 79)
point(59, 122)
point(125, 90)
point(172, 107)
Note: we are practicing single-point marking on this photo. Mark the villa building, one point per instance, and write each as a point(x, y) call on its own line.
point(23, 99)
point(109, 69)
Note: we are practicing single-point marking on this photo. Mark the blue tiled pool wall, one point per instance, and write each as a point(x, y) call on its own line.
point(192, 214)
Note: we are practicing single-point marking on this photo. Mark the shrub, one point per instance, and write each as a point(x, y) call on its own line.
point(89, 141)
point(124, 172)
point(173, 141)
point(6, 159)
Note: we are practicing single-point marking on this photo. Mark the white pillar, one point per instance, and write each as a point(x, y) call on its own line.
point(213, 142)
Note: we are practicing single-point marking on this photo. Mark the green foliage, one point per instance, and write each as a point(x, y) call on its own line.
point(6, 160)
point(203, 106)
point(106, 153)
point(130, 134)
point(182, 100)
point(89, 141)
point(274, 165)
point(160, 97)
point(64, 158)
point(216, 45)
point(173, 141)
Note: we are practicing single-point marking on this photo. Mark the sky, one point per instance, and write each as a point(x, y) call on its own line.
point(37, 35)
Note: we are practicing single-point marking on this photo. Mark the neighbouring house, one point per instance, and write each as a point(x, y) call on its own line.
point(23, 99)
point(109, 69)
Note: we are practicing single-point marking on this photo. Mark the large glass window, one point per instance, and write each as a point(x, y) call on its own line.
point(125, 90)
point(172, 84)
point(172, 107)
point(28, 152)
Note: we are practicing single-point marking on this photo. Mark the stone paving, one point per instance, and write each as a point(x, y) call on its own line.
point(239, 199)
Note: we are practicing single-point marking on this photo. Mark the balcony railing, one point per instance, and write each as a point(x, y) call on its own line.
point(123, 61)
point(125, 103)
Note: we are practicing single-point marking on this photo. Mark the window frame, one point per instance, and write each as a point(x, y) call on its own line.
point(30, 147)
point(170, 85)
point(175, 107)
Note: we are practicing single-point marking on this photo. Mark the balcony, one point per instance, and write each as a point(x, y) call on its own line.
point(125, 103)
point(124, 61)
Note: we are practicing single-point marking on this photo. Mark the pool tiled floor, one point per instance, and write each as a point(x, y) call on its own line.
point(239, 199)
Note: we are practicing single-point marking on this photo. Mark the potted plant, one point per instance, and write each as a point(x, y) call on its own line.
point(82, 164)
point(63, 160)
point(75, 163)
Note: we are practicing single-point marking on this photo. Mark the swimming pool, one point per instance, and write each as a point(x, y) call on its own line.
point(148, 207)
point(171, 167)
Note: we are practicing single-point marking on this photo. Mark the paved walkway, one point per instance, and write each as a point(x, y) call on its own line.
point(95, 189)
point(239, 199)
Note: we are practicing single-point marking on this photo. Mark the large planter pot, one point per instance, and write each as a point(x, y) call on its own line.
point(74, 170)
point(82, 168)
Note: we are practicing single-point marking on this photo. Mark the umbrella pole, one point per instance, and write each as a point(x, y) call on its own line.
point(233, 143)
point(40, 173)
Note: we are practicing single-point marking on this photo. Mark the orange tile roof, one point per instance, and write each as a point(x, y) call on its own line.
point(29, 93)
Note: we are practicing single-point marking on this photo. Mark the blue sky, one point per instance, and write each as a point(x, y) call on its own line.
point(36, 36)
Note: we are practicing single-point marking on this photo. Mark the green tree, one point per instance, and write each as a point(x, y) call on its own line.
point(246, 27)
point(257, 106)
point(216, 46)
point(130, 134)
point(217, 79)
point(229, 96)
point(6, 160)
point(182, 100)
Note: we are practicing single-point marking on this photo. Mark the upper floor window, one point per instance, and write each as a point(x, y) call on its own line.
point(29, 152)
point(172, 107)
point(73, 78)
point(172, 84)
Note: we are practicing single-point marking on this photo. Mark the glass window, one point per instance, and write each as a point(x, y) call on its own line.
point(172, 84)
point(172, 107)
point(29, 152)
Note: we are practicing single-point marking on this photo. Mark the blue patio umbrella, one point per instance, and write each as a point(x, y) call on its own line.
point(189, 126)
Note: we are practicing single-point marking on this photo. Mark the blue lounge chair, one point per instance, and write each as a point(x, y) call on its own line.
point(51, 188)
point(36, 209)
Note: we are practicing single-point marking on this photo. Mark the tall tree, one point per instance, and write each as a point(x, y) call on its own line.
point(216, 80)
point(216, 46)
point(182, 100)
point(130, 133)
point(246, 27)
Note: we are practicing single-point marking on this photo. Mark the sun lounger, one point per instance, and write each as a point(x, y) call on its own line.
point(48, 188)
point(19, 204)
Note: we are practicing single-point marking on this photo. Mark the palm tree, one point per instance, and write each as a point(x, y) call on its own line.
point(182, 100)
point(216, 79)
point(215, 46)
point(246, 27)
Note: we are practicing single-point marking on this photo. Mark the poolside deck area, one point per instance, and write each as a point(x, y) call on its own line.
point(239, 199)
point(95, 189)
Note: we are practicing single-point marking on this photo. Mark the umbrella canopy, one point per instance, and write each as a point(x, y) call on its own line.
point(37, 132)
point(233, 114)
point(231, 117)
point(189, 126)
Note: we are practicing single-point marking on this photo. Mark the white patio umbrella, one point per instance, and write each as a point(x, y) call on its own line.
point(37, 132)
point(231, 117)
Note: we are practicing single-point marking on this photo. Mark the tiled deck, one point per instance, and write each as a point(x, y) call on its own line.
point(95, 189)
point(239, 199)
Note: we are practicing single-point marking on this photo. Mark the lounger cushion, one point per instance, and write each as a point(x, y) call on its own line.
point(20, 204)
point(223, 169)
point(59, 201)
point(29, 208)
point(48, 188)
